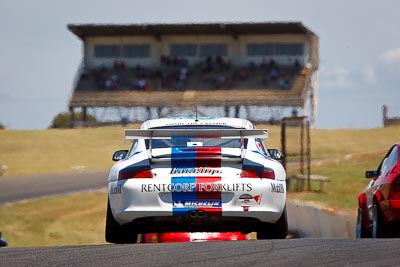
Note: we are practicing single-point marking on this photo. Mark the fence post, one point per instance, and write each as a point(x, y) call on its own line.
point(308, 155)
point(283, 142)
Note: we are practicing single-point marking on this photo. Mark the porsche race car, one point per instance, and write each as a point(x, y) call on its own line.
point(196, 175)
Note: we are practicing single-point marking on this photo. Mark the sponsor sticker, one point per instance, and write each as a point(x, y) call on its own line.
point(199, 187)
point(115, 189)
point(197, 204)
point(196, 170)
point(277, 188)
point(201, 121)
point(249, 200)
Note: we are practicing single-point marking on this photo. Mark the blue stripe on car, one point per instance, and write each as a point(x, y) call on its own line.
point(179, 196)
point(189, 161)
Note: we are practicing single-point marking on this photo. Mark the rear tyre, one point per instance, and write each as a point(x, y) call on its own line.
point(360, 231)
point(278, 230)
point(378, 226)
point(116, 233)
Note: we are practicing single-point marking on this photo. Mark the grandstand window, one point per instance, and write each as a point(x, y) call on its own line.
point(274, 49)
point(110, 51)
point(289, 49)
point(136, 50)
point(255, 49)
point(213, 50)
point(260, 49)
point(186, 50)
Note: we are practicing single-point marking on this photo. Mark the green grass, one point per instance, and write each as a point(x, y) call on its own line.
point(73, 219)
point(59, 151)
point(342, 155)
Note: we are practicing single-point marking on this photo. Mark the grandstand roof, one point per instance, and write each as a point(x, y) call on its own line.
point(87, 30)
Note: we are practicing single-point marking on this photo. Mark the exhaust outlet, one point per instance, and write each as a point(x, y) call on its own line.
point(197, 214)
point(193, 214)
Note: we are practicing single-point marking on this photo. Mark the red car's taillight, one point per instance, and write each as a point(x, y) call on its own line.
point(396, 184)
point(267, 173)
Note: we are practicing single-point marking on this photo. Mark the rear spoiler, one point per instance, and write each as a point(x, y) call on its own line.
point(202, 133)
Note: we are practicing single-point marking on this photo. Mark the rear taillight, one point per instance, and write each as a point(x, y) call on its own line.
point(249, 174)
point(266, 173)
point(396, 184)
point(132, 173)
point(269, 174)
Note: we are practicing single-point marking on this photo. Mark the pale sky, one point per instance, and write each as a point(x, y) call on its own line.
point(359, 50)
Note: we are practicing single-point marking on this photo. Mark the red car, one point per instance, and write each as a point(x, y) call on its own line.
point(379, 204)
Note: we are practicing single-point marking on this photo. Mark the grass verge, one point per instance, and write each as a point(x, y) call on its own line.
point(73, 219)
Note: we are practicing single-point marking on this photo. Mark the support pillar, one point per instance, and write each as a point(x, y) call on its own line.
point(71, 117)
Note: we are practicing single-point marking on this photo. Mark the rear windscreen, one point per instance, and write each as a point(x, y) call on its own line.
point(193, 141)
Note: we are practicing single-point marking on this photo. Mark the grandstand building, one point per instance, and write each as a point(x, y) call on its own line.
point(260, 71)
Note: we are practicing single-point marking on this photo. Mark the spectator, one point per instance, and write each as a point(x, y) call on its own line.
point(119, 64)
point(209, 64)
point(115, 79)
point(296, 67)
point(230, 83)
point(243, 73)
point(175, 61)
point(84, 73)
point(109, 84)
point(297, 64)
point(273, 74)
point(149, 86)
point(141, 83)
point(284, 83)
point(219, 61)
point(179, 85)
point(252, 65)
point(265, 80)
point(140, 71)
point(220, 80)
point(182, 61)
point(271, 63)
point(183, 73)
point(264, 64)
point(163, 60)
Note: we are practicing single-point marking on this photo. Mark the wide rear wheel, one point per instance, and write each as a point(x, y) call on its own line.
point(278, 230)
point(378, 226)
point(360, 230)
point(116, 233)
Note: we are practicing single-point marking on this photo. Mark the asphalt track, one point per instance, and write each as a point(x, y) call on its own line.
point(288, 252)
point(19, 188)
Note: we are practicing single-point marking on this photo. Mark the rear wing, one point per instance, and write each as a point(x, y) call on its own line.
point(202, 133)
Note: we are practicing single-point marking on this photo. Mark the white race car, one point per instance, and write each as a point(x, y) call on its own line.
point(196, 175)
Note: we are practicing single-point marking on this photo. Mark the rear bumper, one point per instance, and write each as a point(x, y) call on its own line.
point(241, 202)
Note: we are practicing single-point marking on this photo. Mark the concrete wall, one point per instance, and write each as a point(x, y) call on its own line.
point(310, 221)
